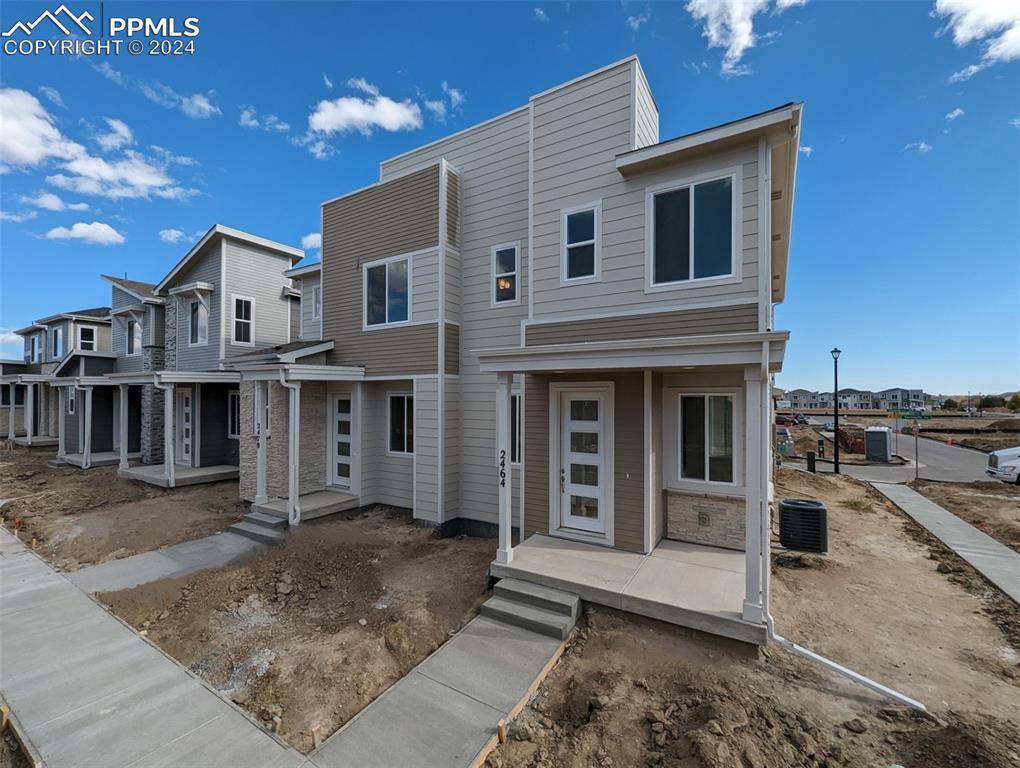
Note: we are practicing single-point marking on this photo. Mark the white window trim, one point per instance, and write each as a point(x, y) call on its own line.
point(208, 314)
point(57, 349)
point(596, 206)
point(234, 394)
point(127, 337)
point(95, 338)
point(316, 302)
point(234, 320)
point(671, 436)
point(409, 258)
point(493, 275)
point(34, 351)
point(735, 174)
point(389, 414)
point(71, 400)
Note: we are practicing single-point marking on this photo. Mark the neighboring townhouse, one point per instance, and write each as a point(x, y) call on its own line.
point(52, 344)
point(899, 399)
point(226, 298)
point(856, 399)
point(111, 413)
point(554, 327)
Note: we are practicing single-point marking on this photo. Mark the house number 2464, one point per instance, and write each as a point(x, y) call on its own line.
point(502, 469)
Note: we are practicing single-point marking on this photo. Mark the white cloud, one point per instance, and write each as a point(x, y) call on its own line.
point(17, 218)
point(729, 24)
point(995, 24)
point(635, 22)
point(169, 157)
point(171, 235)
point(326, 81)
point(540, 15)
point(109, 72)
point(96, 233)
point(455, 95)
point(198, 106)
point(119, 136)
point(364, 115)
point(807, 151)
point(1015, 122)
point(311, 241)
point(132, 176)
point(361, 84)
point(7, 336)
point(51, 202)
point(955, 114)
point(437, 108)
point(250, 119)
point(53, 95)
point(921, 146)
point(28, 134)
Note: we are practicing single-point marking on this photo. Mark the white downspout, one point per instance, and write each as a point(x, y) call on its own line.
point(766, 558)
point(293, 456)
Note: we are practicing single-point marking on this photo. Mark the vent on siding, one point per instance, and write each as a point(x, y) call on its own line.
point(803, 525)
point(453, 209)
point(777, 195)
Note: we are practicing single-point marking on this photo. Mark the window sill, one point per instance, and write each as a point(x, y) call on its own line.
point(705, 487)
point(380, 326)
point(568, 281)
point(399, 455)
point(698, 282)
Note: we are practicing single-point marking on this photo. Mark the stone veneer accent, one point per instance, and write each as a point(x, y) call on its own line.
point(153, 409)
point(170, 333)
point(718, 521)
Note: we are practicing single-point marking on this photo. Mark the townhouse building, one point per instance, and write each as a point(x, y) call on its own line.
point(554, 328)
point(899, 399)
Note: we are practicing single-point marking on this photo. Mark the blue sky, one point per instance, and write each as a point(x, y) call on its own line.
point(906, 242)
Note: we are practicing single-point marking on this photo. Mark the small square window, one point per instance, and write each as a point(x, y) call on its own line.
point(87, 338)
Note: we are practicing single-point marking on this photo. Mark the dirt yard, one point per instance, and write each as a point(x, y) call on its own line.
point(313, 630)
point(79, 518)
point(992, 507)
point(11, 755)
point(886, 601)
point(987, 441)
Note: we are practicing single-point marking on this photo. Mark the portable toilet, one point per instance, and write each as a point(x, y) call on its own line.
point(878, 443)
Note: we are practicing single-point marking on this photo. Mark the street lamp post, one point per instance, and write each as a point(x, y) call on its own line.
point(835, 409)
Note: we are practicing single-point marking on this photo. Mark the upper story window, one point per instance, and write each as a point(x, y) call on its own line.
point(692, 231)
point(198, 323)
point(87, 338)
point(133, 339)
point(243, 320)
point(401, 424)
point(316, 302)
point(387, 292)
point(505, 266)
point(33, 349)
point(57, 341)
point(580, 234)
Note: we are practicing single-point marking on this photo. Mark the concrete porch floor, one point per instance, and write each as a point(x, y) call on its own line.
point(153, 474)
point(99, 459)
point(686, 584)
point(38, 441)
point(313, 505)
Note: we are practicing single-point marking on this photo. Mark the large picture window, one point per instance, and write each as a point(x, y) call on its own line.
point(692, 232)
point(243, 320)
point(706, 438)
point(401, 424)
point(580, 233)
point(198, 323)
point(387, 293)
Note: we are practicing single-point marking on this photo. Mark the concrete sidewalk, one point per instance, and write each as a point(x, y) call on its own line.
point(92, 693)
point(996, 562)
point(170, 563)
point(445, 712)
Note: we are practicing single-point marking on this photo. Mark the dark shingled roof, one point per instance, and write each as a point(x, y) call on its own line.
point(93, 312)
point(133, 286)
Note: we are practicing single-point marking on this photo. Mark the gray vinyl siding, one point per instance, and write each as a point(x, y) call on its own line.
point(426, 449)
point(153, 333)
point(451, 451)
point(311, 326)
point(200, 357)
point(385, 478)
point(118, 332)
point(646, 114)
point(294, 315)
point(256, 273)
point(425, 287)
point(102, 419)
point(71, 421)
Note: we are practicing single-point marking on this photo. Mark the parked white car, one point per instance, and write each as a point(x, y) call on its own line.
point(1004, 465)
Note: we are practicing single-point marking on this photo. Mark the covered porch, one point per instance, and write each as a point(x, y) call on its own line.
point(99, 422)
point(647, 467)
point(33, 424)
point(156, 474)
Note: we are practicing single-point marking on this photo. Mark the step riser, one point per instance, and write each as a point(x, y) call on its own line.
point(262, 535)
point(526, 622)
point(572, 610)
point(264, 521)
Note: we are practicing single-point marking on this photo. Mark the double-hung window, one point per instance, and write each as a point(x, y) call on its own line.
point(505, 264)
point(33, 348)
point(692, 231)
point(580, 230)
point(387, 292)
point(134, 337)
point(234, 414)
point(706, 438)
point(401, 424)
point(87, 338)
point(198, 323)
point(243, 322)
point(58, 343)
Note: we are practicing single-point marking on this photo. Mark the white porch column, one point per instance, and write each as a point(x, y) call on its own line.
point(10, 413)
point(505, 553)
point(29, 412)
point(123, 426)
point(86, 459)
point(168, 433)
point(293, 454)
point(61, 410)
point(261, 400)
point(754, 458)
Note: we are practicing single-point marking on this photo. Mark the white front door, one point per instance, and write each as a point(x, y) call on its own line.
point(584, 445)
point(343, 440)
point(185, 427)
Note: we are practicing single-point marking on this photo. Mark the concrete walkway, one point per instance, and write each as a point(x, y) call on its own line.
point(169, 563)
point(446, 711)
point(996, 562)
point(91, 693)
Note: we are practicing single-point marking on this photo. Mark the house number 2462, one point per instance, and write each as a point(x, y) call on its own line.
point(502, 469)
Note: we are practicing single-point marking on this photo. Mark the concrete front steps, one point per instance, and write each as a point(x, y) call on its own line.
point(258, 526)
point(268, 524)
point(540, 609)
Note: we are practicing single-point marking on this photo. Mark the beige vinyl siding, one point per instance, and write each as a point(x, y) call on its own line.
point(452, 356)
point(311, 327)
point(386, 220)
point(385, 479)
point(655, 462)
point(646, 114)
point(256, 273)
point(206, 269)
point(426, 450)
point(492, 161)
point(536, 455)
point(689, 322)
